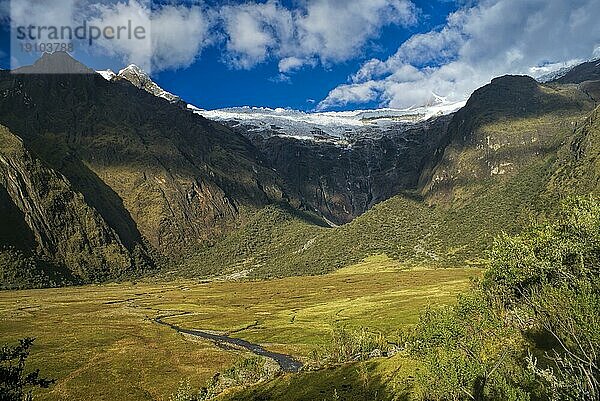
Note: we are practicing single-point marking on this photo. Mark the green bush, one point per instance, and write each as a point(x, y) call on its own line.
point(467, 351)
point(531, 328)
point(548, 279)
point(244, 372)
point(350, 345)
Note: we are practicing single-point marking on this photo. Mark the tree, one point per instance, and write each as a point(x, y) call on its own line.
point(15, 384)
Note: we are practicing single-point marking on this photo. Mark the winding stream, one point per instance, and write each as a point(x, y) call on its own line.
point(286, 362)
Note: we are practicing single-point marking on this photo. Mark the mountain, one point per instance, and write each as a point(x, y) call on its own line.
point(105, 178)
point(136, 76)
point(340, 164)
point(342, 182)
point(504, 162)
point(141, 80)
point(588, 71)
point(151, 180)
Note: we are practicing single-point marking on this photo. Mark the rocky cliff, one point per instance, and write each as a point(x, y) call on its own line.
point(341, 182)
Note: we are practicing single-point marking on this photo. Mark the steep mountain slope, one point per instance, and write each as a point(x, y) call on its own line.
point(578, 166)
point(162, 179)
point(343, 182)
point(505, 127)
point(492, 174)
point(41, 209)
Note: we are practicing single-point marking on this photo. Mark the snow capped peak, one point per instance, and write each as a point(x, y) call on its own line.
point(132, 68)
point(109, 75)
point(140, 79)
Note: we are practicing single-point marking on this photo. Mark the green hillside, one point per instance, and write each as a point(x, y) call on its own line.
point(508, 148)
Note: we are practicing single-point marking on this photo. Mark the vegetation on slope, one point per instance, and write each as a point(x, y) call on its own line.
point(492, 177)
point(527, 331)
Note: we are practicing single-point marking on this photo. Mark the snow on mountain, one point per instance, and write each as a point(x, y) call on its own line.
point(554, 75)
point(552, 72)
point(109, 75)
point(141, 79)
point(326, 125)
point(338, 127)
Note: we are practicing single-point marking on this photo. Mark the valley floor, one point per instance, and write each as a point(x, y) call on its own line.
point(103, 343)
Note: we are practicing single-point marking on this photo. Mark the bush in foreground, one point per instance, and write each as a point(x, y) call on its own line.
point(15, 383)
point(531, 329)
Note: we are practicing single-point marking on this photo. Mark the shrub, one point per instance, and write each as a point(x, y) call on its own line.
point(15, 384)
point(350, 345)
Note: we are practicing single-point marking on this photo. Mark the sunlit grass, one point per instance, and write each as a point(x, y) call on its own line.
point(101, 342)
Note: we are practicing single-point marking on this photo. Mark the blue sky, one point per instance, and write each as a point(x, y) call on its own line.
point(342, 54)
point(210, 83)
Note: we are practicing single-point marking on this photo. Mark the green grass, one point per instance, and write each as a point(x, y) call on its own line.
point(101, 343)
point(374, 380)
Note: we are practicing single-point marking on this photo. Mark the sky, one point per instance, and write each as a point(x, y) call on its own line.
point(317, 55)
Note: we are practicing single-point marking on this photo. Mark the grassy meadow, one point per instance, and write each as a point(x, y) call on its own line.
point(101, 342)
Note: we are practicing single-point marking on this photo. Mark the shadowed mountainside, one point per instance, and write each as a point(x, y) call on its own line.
point(159, 179)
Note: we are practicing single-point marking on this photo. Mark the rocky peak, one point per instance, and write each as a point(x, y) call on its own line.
point(55, 63)
point(140, 79)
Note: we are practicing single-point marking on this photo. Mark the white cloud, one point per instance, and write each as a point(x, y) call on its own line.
point(179, 34)
point(306, 33)
point(336, 30)
point(254, 30)
point(41, 12)
point(176, 34)
point(476, 44)
point(128, 48)
point(352, 93)
point(326, 31)
point(290, 64)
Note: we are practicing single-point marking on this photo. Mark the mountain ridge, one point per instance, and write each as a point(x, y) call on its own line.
point(170, 188)
point(165, 179)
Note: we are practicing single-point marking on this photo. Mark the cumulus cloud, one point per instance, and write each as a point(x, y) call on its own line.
point(290, 64)
point(254, 30)
point(304, 33)
point(176, 34)
point(477, 43)
point(325, 31)
point(41, 12)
